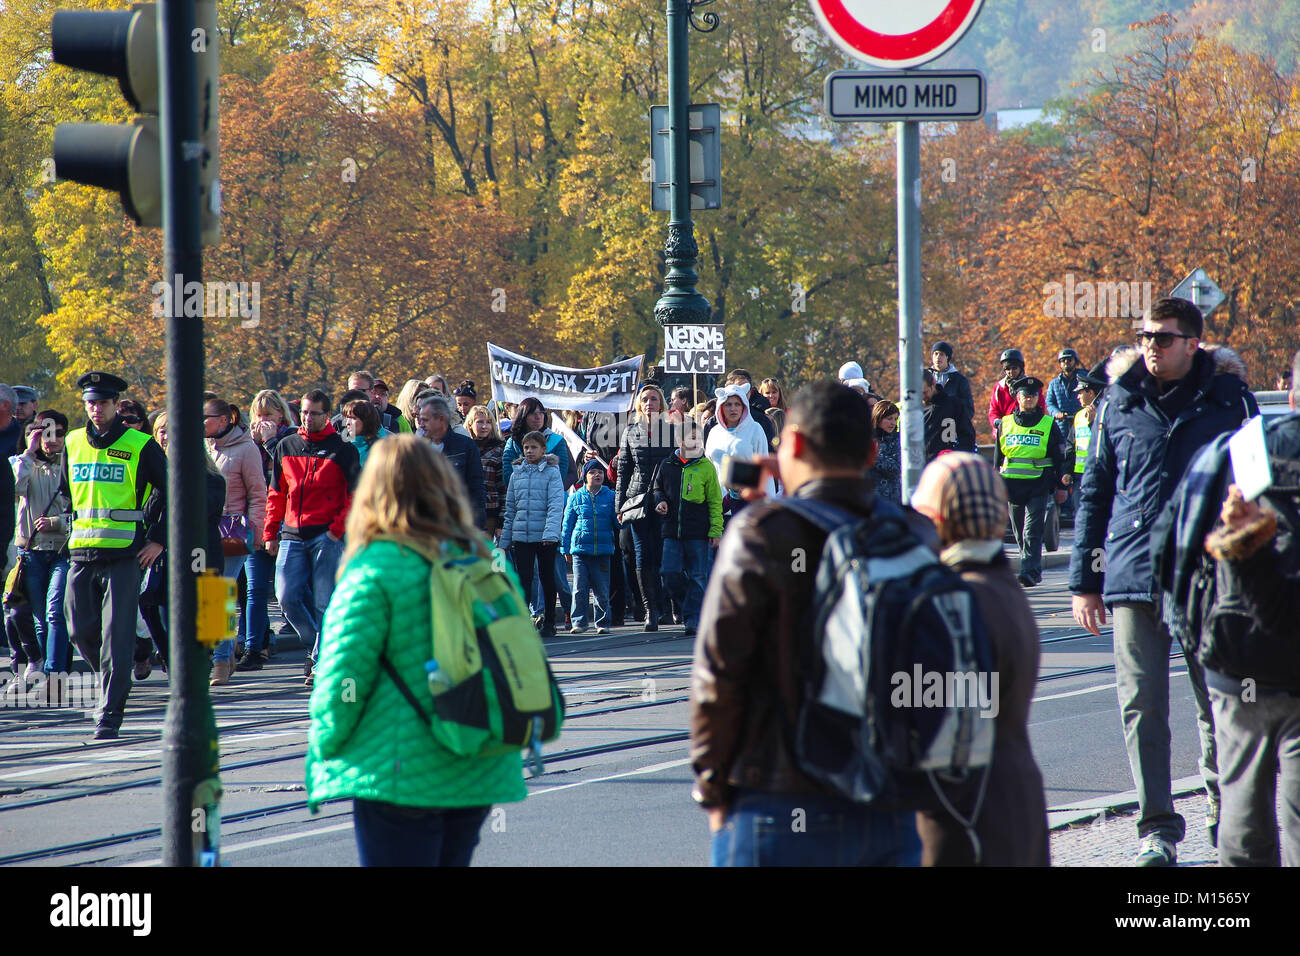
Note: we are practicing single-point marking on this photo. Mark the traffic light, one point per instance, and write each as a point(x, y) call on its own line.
point(125, 44)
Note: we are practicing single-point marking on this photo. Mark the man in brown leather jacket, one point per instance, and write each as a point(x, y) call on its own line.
point(753, 631)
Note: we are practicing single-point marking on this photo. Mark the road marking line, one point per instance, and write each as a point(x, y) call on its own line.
point(123, 755)
point(1091, 690)
point(267, 841)
point(654, 768)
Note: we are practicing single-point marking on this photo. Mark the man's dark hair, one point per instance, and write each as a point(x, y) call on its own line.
point(318, 396)
point(1188, 316)
point(352, 395)
point(835, 421)
point(928, 377)
point(741, 374)
point(57, 417)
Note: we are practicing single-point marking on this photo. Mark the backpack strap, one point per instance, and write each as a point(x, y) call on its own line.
point(402, 686)
point(823, 514)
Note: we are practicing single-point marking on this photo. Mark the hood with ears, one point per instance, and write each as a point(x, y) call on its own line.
point(1226, 362)
point(741, 391)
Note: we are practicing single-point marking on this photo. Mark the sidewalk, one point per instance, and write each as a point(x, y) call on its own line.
point(1108, 836)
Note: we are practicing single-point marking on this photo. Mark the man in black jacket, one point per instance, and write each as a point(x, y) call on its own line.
point(1163, 405)
point(461, 452)
point(947, 426)
point(955, 384)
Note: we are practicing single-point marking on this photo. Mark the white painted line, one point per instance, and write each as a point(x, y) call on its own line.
point(107, 758)
point(1091, 690)
point(653, 768)
point(267, 841)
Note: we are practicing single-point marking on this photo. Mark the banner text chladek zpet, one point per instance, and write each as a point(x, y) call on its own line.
point(609, 388)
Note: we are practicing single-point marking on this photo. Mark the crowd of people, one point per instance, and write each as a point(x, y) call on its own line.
point(652, 518)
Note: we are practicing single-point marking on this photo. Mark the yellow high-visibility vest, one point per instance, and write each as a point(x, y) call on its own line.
point(102, 482)
point(1082, 434)
point(1024, 449)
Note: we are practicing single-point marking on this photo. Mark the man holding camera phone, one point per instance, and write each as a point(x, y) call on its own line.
point(753, 626)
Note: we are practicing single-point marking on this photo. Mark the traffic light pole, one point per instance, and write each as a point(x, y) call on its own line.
point(191, 786)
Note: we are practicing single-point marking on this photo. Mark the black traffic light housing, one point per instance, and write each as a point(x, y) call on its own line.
point(128, 159)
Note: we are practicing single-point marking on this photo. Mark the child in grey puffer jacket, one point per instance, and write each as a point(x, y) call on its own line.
point(534, 515)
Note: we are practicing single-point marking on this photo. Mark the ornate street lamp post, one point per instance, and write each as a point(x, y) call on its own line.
point(681, 303)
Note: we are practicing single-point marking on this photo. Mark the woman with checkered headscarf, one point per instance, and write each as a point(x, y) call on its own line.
point(966, 499)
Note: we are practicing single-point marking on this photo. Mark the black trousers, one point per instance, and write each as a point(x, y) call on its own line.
point(525, 553)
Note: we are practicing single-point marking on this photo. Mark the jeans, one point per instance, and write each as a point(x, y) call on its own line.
point(590, 574)
point(389, 835)
point(304, 583)
point(1258, 741)
point(47, 584)
point(101, 604)
point(1142, 674)
point(1027, 523)
point(528, 555)
point(257, 566)
point(785, 829)
point(685, 571)
point(561, 586)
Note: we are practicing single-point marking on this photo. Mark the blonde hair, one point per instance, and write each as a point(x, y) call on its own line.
point(267, 400)
point(663, 405)
point(409, 491)
point(406, 398)
point(159, 423)
point(482, 411)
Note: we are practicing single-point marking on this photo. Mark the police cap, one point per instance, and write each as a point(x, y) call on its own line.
point(1027, 384)
point(100, 385)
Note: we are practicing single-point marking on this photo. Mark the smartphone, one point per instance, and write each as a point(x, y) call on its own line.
point(739, 473)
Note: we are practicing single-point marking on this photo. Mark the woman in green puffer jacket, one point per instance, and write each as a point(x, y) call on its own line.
point(415, 803)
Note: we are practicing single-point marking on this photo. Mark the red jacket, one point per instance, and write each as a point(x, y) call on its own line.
point(312, 479)
point(1003, 403)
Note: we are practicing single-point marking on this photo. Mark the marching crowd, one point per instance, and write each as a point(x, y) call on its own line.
point(651, 518)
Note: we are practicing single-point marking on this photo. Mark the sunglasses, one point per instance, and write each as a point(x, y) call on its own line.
point(132, 419)
point(1161, 339)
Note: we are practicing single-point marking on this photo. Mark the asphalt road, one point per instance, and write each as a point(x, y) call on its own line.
point(612, 807)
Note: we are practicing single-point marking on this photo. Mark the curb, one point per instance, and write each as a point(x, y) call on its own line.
point(1062, 817)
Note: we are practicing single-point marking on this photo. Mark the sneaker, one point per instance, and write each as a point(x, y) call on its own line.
point(143, 669)
point(221, 671)
point(602, 630)
point(105, 733)
point(251, 661)
point(576, 629)
point(308, 674)
point(1026, 581)
point(1157, 851)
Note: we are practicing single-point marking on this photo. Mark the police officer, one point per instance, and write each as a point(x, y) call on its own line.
point(1086, 390)
point(117, 477)
point(1031, 459)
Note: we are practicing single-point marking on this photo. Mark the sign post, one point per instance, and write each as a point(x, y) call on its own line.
point(894, 37)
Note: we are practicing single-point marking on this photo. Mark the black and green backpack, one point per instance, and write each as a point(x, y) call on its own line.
point(502, 695)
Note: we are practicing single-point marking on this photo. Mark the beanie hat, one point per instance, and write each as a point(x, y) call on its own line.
point(592, 465)
point(967, 494)
point(943, 347)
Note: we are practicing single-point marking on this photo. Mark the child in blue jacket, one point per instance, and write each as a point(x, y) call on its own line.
point(588, 542)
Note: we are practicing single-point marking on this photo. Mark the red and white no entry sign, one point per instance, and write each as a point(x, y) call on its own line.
point(894, 34)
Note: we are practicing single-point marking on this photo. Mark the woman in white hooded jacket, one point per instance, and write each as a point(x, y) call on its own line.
point(736, 434)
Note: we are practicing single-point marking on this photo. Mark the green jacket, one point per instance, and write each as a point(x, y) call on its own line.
point(366, 740)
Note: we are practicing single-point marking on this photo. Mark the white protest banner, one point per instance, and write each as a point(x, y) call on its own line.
point(609, 388)
point(694, 349)
point(576, 445)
